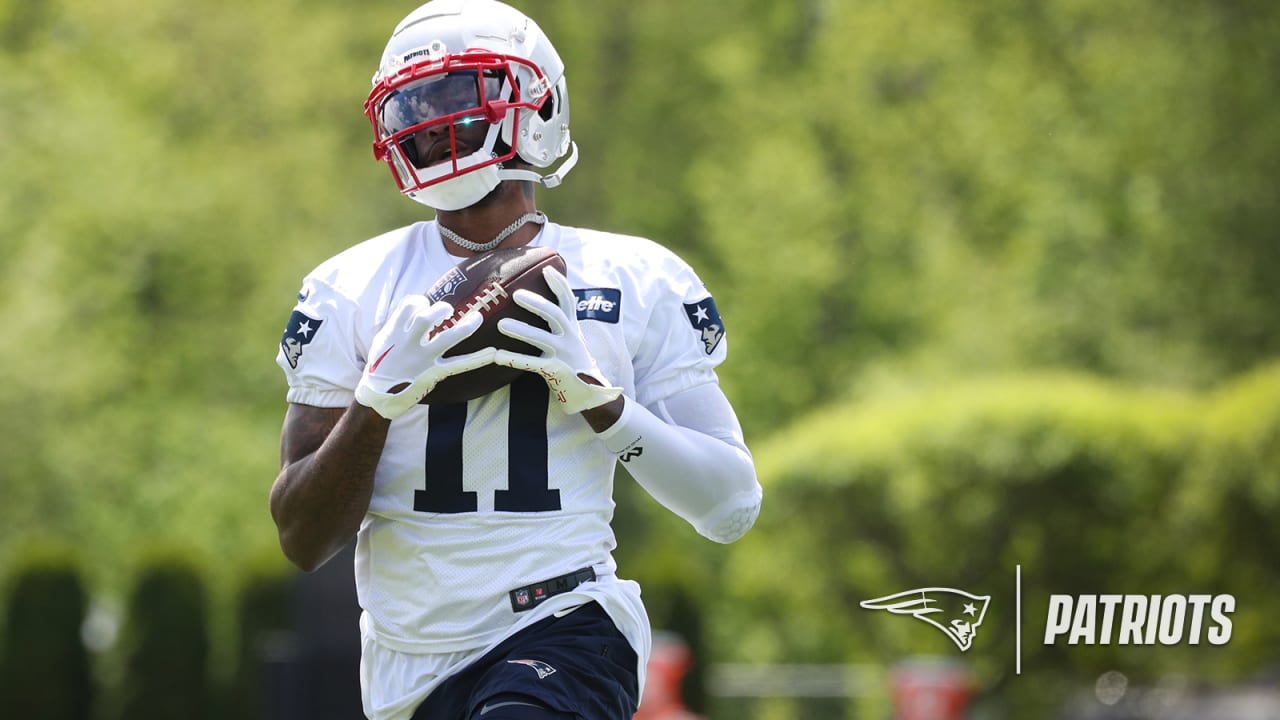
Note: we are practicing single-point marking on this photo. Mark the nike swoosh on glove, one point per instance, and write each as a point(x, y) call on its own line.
point(407, 355)
point(565, 364)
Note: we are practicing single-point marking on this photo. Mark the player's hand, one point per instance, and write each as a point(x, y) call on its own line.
point(566, 363)
point(406, 361)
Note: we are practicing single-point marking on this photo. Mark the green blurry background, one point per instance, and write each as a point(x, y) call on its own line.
point(999, 278)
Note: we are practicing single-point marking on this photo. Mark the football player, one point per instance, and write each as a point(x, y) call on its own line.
point(483, 541)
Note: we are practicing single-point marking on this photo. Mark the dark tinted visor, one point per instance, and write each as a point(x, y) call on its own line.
point(462, 93)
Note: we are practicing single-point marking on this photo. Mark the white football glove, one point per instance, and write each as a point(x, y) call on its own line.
point(406, 361)
point(566, 363)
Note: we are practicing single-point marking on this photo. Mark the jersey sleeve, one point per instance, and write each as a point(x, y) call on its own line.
point(684, 340)
point(318, 350)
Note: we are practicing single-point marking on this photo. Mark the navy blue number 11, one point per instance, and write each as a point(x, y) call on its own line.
point(527, 481)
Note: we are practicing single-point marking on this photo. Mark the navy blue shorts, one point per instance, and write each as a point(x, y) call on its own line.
point(579, 664)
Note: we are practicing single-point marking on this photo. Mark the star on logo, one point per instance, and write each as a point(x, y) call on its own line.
point(297, 335)
point(705, 319)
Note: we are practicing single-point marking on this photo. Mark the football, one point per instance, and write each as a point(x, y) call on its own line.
point(485, 284)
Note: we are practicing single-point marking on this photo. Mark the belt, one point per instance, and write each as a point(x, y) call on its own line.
point(530, 596)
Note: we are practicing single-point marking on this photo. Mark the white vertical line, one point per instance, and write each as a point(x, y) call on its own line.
point(1017, 618)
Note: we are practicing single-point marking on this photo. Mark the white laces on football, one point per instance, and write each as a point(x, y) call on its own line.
point(465, 244)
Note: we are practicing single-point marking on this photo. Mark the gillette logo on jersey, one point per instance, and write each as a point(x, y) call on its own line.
point(1139, 619)
point(601, 304)
point(706, 320)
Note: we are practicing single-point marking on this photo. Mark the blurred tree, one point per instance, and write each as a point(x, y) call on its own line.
point(166, 645)
point(1230, 500)
point(44, 666)
point(1084, 483)
point(264, 616)
point(1063, 184)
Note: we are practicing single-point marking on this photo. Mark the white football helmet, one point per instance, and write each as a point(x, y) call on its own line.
point(449, 65)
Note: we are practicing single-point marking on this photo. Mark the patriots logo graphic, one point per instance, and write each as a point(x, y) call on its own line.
point(961, 612)
point(706, 320)
point(300, 331)
point(447, 283)
point(543, 669)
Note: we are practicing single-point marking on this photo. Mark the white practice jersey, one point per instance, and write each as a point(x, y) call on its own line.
point(472, 501)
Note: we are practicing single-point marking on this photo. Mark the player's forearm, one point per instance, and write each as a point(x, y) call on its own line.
point(707, 481)
point(319, 500)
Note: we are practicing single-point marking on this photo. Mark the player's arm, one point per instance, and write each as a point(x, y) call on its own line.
point(688, 453)
point(327, 462)
point(692, 459)
point(329, 455)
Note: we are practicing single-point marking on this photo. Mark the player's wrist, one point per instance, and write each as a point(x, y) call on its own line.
point(385, 406)
point(406, 394)
point(604, 417)
point(367, 416)
point(618, 435)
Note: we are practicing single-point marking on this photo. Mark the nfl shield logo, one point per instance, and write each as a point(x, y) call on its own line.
point(522, 597)
point(447, 283)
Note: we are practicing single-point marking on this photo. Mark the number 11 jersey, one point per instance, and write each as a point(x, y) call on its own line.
point(473, 501)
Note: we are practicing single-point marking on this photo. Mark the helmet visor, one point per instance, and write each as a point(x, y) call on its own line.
point(455, 97)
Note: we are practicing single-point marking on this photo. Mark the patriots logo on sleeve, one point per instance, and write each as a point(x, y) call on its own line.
point(706, 320)
point(299, 333)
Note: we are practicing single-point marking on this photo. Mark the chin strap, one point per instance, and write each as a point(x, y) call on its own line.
point(547, 181)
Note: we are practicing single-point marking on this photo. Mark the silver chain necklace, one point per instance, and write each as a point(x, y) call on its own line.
point(465, 244)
